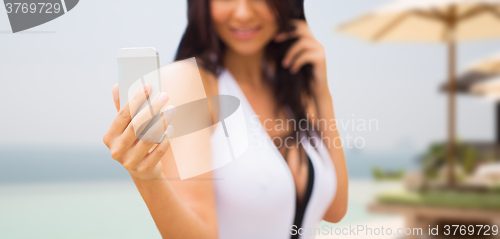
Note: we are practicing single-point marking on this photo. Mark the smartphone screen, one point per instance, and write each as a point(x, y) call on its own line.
point(136, 67)
point(132, 72)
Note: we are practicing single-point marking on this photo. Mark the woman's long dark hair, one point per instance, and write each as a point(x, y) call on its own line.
point(200, 40)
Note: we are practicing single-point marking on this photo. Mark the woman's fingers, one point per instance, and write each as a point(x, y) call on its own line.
point(301, 30)
point(156, 132)
point(168, 115)
point(154, 157)
point(281, 37)
point(142, 119)
point(301, 60)
point(121, 137)
point(301, 27)
point(116, 97)
point(294, 51)
point(139, 97)
point(123, 118)
point(143, 147)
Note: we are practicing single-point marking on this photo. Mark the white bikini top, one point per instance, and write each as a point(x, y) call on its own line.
point(255, 194)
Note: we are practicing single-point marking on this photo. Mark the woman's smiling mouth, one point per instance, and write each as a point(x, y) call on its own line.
point(245, 33)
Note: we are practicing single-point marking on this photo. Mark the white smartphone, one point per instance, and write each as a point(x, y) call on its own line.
point(136, 67)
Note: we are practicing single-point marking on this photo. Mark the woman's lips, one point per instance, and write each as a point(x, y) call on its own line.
point(245, 33)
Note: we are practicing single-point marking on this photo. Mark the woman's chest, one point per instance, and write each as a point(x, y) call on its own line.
point(257, 183)
point(273, 120)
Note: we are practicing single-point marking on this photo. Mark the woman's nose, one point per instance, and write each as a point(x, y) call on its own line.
point(243, 11)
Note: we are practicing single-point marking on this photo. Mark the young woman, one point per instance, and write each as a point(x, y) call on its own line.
point(263, 53)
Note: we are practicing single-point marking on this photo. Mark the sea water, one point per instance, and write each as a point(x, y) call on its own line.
point(82, 193)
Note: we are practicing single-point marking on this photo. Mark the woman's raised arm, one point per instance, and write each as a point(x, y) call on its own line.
point(180, 209)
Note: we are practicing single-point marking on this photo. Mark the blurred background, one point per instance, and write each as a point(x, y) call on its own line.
point(57, 179)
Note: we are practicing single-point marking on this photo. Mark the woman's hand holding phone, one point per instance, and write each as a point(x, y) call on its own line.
point(140, 158)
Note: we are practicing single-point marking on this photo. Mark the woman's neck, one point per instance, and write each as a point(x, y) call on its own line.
point(246, 69)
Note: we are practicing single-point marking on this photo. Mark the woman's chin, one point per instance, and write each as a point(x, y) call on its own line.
point(246, 50)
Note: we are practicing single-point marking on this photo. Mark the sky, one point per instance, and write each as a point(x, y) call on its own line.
point(57, 78)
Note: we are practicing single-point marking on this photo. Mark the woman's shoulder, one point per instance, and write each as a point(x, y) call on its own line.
point(209, 81)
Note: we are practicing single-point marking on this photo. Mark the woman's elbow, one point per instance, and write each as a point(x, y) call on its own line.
point(337, 215)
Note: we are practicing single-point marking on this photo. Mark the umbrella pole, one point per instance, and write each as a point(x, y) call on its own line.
point(451, 96)
point(451, 112)
point(497, 121)
point(497, 124)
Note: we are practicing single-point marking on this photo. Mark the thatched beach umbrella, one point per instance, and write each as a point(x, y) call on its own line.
point(490, 65)
point(489, 88)
point(477, 73)
point(482, 79)
point(441, 21)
